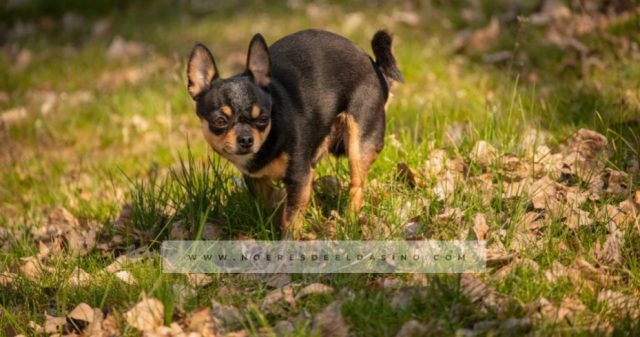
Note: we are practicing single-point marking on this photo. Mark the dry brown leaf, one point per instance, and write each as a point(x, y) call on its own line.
point(565, 312)
point(480, 226)
point(620, 304)
point(523, 241)
point(610, 253)
point(497, 255)
point(33, 268)
point(617, 182)
point(598, 274)
point(314, 289)
point(542, 190)
point(201, 321)
point(273, 301)
point(329, 322)
point(515, 189)
point(444, 186)
point(82, 312)
point(408, 175)
point(559, 271)
point(7, 279)
point(507, 270)
point(54, 324)
point(577, 217)
point(101, 327)
point(533, 221)
point(449, 215)
point(583, 154)
point(79, 278)
point(198, 280)
point(477, 291)
point(483, 153)
point(126, 277)
point(147, 315)
point(80, 242)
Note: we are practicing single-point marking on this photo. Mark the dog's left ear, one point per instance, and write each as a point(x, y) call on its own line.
point(258, 61)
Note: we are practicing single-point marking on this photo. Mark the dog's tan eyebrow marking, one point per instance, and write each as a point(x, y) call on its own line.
point(255, 111)
point(226, 110)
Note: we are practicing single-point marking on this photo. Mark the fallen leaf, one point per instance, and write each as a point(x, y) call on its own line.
point(54, 324)
point(617, 182)
point(449, 215)
point(480, 226)
point(79, 278)
point(201, 321)
point(273, 301)
point(408, 175)
point(126, 277)
point(82, 312)
point(610, 253)
point(147, 315)
point(314, 289)
point(477, 291)
point(198, 280)
point(7, 279)
point(620, 304)
point(33, 268)
point(483, 153)
point(329, 322)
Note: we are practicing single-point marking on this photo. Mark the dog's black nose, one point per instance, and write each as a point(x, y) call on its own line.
point(245, 141)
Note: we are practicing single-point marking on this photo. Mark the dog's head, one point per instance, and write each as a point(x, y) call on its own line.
point(235, 112)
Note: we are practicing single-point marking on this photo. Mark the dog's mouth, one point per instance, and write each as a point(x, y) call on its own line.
point(242, 152)
point(237, 152)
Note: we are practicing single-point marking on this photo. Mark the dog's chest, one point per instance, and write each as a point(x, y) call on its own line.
point(274, 170)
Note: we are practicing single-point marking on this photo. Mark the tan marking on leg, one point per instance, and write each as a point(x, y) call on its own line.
point(361, 155)
point(293, 214)
point(255, 111)
point(226, 110)
point(335, 134)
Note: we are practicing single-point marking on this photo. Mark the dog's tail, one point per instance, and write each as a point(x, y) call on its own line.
point(381, 45)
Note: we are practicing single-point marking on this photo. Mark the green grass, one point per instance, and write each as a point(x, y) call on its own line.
point(139, 144)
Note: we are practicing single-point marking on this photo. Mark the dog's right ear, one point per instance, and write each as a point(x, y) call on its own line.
point(201, 70)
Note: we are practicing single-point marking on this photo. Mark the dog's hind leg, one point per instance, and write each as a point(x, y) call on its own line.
point(364, 141)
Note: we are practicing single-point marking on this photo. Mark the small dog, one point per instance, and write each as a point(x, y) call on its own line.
point(311, 93)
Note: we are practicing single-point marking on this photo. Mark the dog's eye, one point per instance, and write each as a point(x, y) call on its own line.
point(262, 120)
point(220, 122)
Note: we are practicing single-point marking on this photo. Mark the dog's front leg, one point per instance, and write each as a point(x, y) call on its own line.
point(263, 189)
point(299, 186)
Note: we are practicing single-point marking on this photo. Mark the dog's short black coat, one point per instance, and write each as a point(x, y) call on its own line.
point(310, 93)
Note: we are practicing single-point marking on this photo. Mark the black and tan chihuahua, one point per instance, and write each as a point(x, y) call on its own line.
point(311, 93)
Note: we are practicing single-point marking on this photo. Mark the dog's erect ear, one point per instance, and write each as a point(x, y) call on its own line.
point(201, 70)
point(258, 61)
